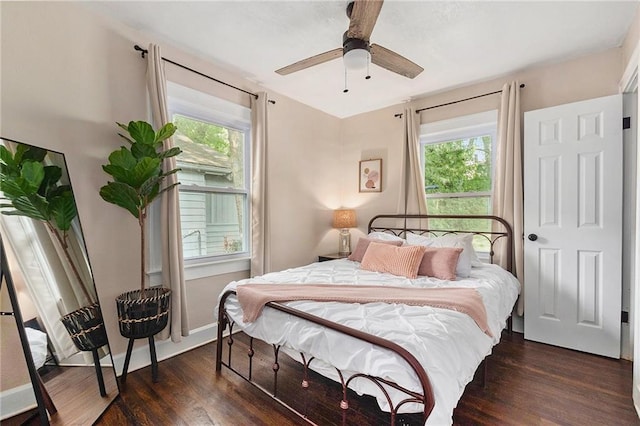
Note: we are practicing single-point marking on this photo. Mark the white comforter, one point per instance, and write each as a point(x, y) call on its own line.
point(448, 344)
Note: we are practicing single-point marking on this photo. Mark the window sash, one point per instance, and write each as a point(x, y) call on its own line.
point(479, 194)
point(213, 189)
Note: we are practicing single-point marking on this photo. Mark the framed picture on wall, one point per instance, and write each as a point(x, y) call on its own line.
point(371, 175)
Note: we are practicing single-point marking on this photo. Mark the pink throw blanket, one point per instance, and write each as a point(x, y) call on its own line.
point(253, 297)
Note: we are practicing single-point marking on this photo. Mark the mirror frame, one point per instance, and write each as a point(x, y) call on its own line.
point(44, 402)
point(5, 275)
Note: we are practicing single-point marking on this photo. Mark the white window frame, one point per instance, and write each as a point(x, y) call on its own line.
point(464, 127)
point(204, 107)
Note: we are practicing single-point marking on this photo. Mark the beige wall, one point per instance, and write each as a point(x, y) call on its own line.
point(379, 133)
point(68, 76)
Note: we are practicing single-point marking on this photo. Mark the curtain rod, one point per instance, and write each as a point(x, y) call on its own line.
point(145, 51)
point(418, 111)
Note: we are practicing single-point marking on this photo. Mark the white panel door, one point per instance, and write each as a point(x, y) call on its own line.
point(573, 225)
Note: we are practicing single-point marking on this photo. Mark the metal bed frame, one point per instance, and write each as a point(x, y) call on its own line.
point(398, 225)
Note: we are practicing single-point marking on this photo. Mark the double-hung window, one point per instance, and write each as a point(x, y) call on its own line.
point(214, 136)
point(457, 158)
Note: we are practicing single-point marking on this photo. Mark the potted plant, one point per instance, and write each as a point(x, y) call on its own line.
point(138, 178)
point(33, 189)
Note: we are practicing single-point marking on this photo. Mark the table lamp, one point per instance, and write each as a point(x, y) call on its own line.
point(344, 219)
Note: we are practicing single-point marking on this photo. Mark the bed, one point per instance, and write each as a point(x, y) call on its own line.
point(409, 357)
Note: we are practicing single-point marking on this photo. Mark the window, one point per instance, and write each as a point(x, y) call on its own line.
point(457, 158)
point(214, 136)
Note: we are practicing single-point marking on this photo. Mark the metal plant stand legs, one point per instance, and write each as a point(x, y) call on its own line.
point(96, 363)
point(154, 360)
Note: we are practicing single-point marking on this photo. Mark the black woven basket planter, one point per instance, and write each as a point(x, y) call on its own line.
point(143, 313)
point(86, 328)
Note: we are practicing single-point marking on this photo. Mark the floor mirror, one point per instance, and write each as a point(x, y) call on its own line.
point(46, 276)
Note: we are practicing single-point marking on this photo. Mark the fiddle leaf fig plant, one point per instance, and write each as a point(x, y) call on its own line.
point(138, 174)
point(33, 190)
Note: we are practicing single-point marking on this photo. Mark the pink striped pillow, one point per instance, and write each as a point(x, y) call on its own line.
point(403, 261)
point(440, 262)
point(363, 243)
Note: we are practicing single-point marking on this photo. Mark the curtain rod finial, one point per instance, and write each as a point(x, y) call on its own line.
point(141, 50)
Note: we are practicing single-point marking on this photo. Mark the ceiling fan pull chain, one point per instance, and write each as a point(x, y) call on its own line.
point(345, 81)
point(368, 62)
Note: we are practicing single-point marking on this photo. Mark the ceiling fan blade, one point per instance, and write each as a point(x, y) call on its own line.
point(311, 61)
point(363, 18)
point(394, 62)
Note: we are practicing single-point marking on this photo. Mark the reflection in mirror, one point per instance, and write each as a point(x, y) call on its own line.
point(54, 285)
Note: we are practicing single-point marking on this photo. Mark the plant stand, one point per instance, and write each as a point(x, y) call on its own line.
point(143, 314)
point(86, 328)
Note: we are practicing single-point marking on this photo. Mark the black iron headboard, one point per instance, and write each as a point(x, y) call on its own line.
point(401, 224)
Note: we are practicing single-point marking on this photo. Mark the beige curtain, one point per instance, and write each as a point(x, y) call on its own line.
point(412, 198)
point(508, 193)
point(172, 260)
point(260, 233)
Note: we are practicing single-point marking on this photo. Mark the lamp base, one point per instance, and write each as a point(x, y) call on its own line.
point(344, 242)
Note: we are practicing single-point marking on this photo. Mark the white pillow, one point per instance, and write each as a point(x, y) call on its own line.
point(384, 236)
point(464, 241)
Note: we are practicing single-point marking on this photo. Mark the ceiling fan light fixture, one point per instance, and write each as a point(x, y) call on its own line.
point(356, 59)
point(355, 53)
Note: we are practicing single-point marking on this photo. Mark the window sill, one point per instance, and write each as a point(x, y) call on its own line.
point(206, 269)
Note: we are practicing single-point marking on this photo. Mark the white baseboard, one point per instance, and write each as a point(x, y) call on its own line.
point(140, 357)
point(17, 400)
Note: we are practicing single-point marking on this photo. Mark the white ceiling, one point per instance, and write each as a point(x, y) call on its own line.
point(457, 43)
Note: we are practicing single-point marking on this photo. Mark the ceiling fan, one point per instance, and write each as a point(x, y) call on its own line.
point(356, 49)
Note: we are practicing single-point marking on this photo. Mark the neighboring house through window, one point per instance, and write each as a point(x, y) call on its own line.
point(214, 135)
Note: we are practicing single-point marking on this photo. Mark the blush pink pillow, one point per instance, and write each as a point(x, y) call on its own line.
point(440, 262)
point(362, 245)
point(403, 261)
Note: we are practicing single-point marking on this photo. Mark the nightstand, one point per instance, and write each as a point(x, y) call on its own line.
point(332, 256)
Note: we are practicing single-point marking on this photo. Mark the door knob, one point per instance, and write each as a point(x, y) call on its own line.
point(532, 237)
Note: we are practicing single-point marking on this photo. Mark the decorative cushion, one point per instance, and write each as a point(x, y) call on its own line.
point(362, 245)
point(440, 262)
point(403, 261)
point(465, 241)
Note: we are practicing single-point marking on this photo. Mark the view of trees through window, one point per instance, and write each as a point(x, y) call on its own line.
point(213, 197)
point(457, 178)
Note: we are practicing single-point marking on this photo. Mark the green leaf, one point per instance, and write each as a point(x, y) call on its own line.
point(34, 206)
point(122, 158)
point(12, 189)
point(146, 169)
point(140, 150)
point(165, 132)
point(31, 153)
point(169, 187)
point(52, 175)
point(122, 195)
point(63, 210)
point(32, 173)
point(142, 132)
point(171, 152)
point(6, 157)
point(121, 175)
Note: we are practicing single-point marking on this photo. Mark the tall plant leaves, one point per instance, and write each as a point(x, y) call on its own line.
point(122, 195)
point(32, 189)
point(33, 206)
point(63, 210)
point(142, 132)
point(165, 132)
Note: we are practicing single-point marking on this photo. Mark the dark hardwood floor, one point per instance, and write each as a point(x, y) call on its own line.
point(527, 383)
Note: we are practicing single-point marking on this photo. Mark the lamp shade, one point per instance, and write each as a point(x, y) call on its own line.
point(344, 218)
